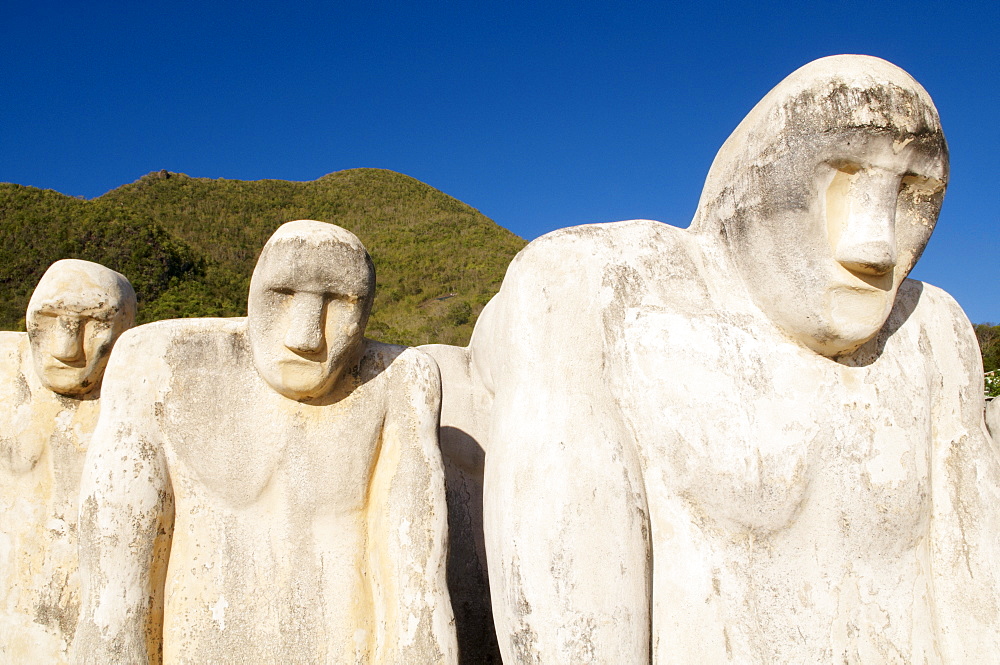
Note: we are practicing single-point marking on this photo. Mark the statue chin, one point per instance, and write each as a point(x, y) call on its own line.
point(68, 381)
point(839, 343)
point(66, 385)
point(853, 319)
point(826, 316)
point(299, 380)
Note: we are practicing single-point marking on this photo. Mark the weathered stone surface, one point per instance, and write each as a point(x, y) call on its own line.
point(753, 441)
point(464, 403)
point(277, 480)
point(49, 401)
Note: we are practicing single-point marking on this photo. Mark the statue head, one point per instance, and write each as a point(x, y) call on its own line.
point(825, 196)
point(74, 317)
point(310, 296)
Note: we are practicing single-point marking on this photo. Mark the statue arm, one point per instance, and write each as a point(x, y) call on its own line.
point(408, 522)
point(564, 505)
point(965, 476)
point(126, 514)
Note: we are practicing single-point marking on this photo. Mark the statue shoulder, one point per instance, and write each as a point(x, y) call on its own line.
point(171, 332)
point(404, 367)
point(161, 348)
point(13, 351)
point(932, 306)
point(17, 376)
point(943, 324)
point(573, 262)
point(597, 245)
point(11, 341)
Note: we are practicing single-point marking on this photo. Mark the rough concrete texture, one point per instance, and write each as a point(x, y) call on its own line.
point(753, 441)
point(49, 401)
point(269, 489)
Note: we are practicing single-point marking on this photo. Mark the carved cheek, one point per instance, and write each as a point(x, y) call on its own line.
point(99, 338)
point(918, 206)
point(342, 324)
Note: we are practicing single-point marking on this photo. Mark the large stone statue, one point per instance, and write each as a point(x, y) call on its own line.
point(752, 441)
point(268, 489)
point(50, 382)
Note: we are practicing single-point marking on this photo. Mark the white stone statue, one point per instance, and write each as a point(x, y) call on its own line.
point(49, 401)
point(268, 489)
point(752, 441)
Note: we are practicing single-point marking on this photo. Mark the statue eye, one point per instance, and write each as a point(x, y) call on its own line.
point(345, 298)
point(845, 166)
point(282, 291)
point(922, 184)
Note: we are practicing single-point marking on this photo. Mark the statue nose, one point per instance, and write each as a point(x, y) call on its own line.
point(866, 231)
point(67, 345)
point(305, 324)
point(869, 258)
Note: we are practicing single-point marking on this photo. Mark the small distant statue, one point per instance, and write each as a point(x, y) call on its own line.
point(752, 441)
point(269, 489)
point(50, 386)
point(993, 417)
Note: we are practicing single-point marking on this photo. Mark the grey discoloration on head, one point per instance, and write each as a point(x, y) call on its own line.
point(310, 297)
point(74, 317)
point(825, 196)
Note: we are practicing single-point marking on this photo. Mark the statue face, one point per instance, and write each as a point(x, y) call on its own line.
point(75, 315)
point(826, 195)
point(309, 302)
point(841, 233)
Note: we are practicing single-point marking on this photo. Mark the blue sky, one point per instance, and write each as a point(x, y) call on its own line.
point(539, 115)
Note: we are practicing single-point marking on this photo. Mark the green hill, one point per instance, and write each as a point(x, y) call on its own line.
point(188, 245)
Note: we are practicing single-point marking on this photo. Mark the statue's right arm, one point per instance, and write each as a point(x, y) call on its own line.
point(565, 514)
point(965, 491)
point(126, 514)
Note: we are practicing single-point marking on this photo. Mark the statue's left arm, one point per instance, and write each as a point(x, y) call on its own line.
point(965, 494)
point(408, 522)
point(126, 516)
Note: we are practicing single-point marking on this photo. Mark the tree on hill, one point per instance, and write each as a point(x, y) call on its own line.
point(988, 335)
point(189, 244)
point(39, 227)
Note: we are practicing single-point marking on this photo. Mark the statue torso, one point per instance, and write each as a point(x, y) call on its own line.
point(788, 493)
point(269, 555)
point(42, 449)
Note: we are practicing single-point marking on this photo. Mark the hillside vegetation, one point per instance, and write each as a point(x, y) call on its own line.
point(188, 245)
point(989, 343)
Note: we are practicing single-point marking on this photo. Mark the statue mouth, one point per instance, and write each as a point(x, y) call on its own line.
point(857, 307)
point(864, 282)
point(56, 365)
point(293, 361)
